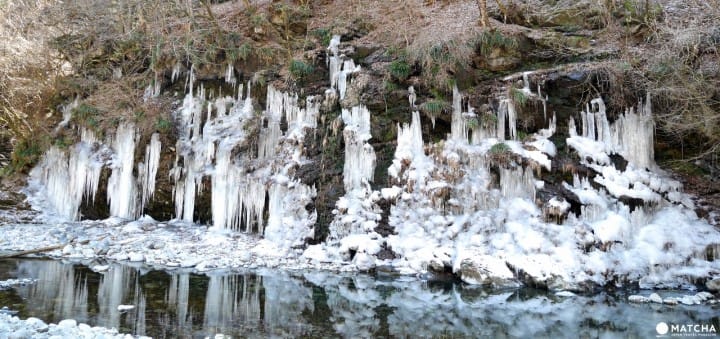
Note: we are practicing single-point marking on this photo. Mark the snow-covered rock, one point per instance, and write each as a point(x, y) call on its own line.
point(713, 284)
point(655, 298)
point(486, 270)
point(14, 327)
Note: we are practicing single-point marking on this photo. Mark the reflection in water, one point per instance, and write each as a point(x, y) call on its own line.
point(66, 297)
point(293, 304)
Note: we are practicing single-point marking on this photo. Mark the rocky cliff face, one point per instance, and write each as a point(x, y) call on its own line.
point(464, 137)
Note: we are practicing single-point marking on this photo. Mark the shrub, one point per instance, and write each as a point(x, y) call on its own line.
point(434, 107)
point(518, 97)
point(399, 69)
point(84, 113)
point(299, 69)
point(26, 153)
point(488, 40)
point(500, 148)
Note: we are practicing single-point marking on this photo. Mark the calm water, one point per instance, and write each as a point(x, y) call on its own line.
point(272, 303)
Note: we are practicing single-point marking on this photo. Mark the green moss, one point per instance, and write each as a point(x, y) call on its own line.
point(299, 69)
point(473, 123)
point(434, 107)
point(488, 120)
point(399, 69)
point(323, 35)
point(84, 112)
point(26, 153)
point(519, 97)
point(486, 41)
point(500, 148)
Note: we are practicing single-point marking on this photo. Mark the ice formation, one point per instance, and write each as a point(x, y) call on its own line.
point(631, 135)
point(340, 67)
point(122, 190)
point(359, 155)
point(64, 181)
point(466, 204)
point(241, 182)
point(147, 170)
point(449, 210)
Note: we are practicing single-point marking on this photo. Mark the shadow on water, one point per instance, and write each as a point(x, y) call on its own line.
point(320, 304)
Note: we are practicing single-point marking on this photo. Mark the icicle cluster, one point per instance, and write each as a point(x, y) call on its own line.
point(409, 139)
point(202, 134)
point(517, 182)
point(631, 135)
point(147, 170)
point(359, 155)
point(506, 112)
point(634, 133)
point(270, 135)
point(212, 131)
point(122, 190)
point(66, 181)
point(467, 126)
point(339, 68)
point(289, 223)
point(235, 192)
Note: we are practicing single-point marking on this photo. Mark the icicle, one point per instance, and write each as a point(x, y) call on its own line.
point(334, 67)
point(156, 87)
point(230, 76)
point(359, 156)
point(148, 170)
point(67, 114)
point(270, 135)
point(122, 194)
point(67, 180)
point(412, 97)
point(333, 60)
point(506, 111)
point(152, 90)
point(517, 183)
point(583, 117)
point(289, 223)
point(526, 84)
point(175, 72)
point(572, 130)
point(409, 140)
point(348, 68)
point(590, 118)
point(458, 127)
point(334, 46)
point(512, 119)
point(634, 135)
point(501, 114)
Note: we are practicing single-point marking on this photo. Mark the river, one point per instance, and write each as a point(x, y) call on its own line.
point(279, 303)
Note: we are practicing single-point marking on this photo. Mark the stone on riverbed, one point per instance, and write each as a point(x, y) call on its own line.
point(486, 270)
point(713, 285)
point(655, 298)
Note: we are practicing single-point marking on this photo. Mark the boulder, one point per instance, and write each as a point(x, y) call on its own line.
point(486, 270)
point(713, 284)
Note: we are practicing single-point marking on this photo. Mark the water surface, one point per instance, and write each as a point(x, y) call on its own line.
point(279, 303)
